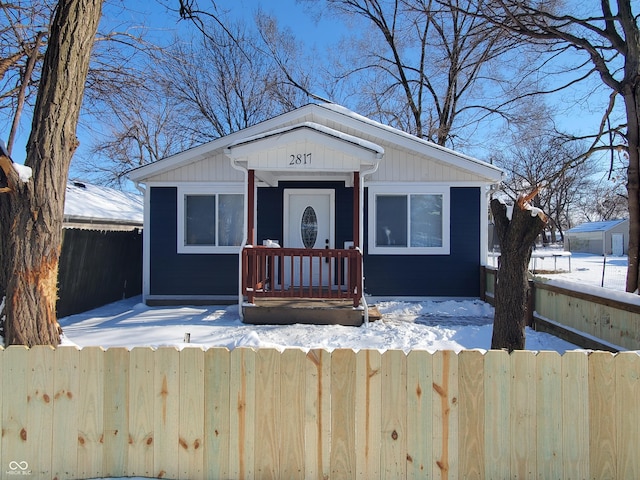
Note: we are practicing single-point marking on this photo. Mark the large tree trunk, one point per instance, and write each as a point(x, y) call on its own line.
point(516, 236)
point(31, 213)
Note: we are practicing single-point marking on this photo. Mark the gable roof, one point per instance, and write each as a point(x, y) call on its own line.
point(316, 114)
point(596, 226)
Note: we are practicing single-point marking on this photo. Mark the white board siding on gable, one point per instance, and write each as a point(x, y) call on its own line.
point(401, 166)
point(217, 168)
point(397, 165)
point(304, 156)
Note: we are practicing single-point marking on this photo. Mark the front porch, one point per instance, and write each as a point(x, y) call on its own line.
point(302, 285)
point(302, 173)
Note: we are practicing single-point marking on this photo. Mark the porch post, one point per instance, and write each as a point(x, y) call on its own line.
point(251, 192)
point(356, 209)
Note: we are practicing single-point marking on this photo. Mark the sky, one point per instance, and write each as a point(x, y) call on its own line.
point(320, 33)
point(154, 15)
point(292, 14)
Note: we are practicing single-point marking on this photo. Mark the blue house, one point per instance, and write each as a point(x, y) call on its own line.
point(318, 206)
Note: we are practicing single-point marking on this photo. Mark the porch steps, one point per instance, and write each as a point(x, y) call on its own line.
point(279, 311)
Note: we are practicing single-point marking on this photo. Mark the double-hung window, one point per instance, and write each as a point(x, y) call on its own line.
point(210, 219)
point(410, 219)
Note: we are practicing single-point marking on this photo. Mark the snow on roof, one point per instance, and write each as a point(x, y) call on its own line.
point(84, 201)
point(596, 226)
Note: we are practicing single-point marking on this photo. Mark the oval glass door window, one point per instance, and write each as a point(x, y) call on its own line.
point(309, 227)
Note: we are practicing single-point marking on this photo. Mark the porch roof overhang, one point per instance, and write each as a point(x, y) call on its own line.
point(305, 151)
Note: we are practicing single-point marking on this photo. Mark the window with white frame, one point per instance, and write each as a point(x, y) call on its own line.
point(210, 219)
point(408, 219)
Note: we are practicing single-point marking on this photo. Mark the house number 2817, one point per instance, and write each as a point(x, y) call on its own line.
point(300, 159)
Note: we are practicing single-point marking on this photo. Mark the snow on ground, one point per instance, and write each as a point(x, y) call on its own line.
point(426, 325)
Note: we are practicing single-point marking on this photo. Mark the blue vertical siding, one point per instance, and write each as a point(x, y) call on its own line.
point(453, 275)
point(183, 274)
point(271, 210)
point(271, 205)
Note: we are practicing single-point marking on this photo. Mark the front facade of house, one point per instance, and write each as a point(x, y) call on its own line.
point(314, 201)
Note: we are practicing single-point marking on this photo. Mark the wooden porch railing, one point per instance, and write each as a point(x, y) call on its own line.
point(304, 273)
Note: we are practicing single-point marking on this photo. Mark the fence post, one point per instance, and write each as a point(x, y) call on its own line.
point(531, 303)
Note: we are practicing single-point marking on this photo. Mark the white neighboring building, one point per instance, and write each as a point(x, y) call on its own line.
point(600, 238)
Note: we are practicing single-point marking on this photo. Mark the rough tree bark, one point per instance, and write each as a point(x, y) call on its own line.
point(31, 212)
point(516, 237)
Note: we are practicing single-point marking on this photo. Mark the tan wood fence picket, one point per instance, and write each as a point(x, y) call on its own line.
point(80, 413)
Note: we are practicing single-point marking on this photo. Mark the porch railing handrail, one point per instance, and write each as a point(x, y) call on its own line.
point(264, 270)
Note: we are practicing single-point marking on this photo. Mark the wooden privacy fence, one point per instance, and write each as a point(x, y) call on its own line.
point(69, 413)
point(597, 319)
point(98, 267)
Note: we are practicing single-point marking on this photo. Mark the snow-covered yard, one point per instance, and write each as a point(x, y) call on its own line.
point(428, 325)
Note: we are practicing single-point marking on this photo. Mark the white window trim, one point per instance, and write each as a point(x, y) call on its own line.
point(208, 189)
point(410, 189)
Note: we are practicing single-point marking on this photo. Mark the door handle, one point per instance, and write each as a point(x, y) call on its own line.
point(326, 247)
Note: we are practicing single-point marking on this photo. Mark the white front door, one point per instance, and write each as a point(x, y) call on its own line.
point(308, 223)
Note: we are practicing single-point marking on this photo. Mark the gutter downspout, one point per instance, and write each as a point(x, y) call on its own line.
point(245, 214)
point(146, 241)
point(363, 174)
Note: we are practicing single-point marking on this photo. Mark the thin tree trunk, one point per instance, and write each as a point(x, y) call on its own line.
point(516, 236)
point(26, 79)
point(31, 213)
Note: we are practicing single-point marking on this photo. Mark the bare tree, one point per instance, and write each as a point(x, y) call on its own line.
point(556, 164)
point(116, 69)
point(601, 200)
point(516, 235)
point(193, 91)
point(229, 83)
point(23, 39)
point(31, 212)
point(428, 67)
point(142, 128)
point(608, 40)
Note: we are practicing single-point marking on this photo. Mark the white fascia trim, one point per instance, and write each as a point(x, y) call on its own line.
point(484, 225)
point(276, 137)
point(453, 184)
